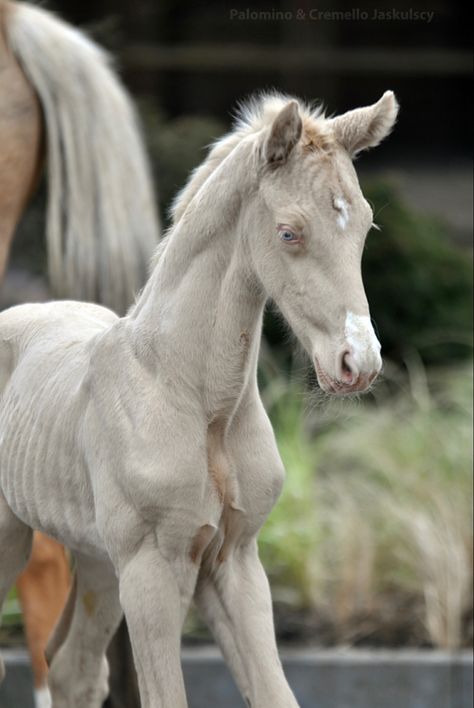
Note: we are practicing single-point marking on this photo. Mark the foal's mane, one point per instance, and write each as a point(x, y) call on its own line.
point(252, 117)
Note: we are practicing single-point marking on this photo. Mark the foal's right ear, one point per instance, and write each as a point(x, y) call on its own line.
point(284, 134)
point(363, 128)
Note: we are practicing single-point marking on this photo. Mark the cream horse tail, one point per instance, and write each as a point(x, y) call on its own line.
point(102, 225)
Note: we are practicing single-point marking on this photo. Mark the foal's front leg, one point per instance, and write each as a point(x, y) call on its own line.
point(235, 600)
point(155, 593)
point(234, 594)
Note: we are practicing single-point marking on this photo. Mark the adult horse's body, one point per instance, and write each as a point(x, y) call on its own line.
point(144, 445)
point(61, 103)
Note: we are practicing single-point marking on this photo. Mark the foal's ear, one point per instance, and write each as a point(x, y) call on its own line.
point(284, 134)
point(364, 128)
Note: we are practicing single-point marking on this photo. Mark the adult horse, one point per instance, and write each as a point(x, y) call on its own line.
point(62, 104)
point(59, 98)
point(144, 445)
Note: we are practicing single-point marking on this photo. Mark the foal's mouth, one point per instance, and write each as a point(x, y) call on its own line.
point(340, 388)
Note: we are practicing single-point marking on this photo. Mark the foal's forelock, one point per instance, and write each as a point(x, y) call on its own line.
point(252, 119)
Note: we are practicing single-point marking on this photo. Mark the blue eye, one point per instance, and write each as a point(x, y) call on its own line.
point(287, 234)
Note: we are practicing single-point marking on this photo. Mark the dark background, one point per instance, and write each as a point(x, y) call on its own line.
point(193, 58)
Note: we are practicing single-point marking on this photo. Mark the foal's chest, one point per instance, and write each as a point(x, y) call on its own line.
point(243, 501)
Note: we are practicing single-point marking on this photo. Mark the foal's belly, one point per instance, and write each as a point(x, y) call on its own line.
point(42, 474)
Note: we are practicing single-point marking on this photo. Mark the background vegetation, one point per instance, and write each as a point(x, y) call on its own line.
point(373, 534)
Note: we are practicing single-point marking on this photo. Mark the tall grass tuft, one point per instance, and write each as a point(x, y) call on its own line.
point(375, 521)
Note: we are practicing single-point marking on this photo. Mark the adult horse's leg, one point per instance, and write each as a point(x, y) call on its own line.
point(78, 676)
point(15, 547)
point(43, 588)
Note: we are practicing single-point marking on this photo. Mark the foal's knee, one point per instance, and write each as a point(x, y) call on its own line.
point(152, 582)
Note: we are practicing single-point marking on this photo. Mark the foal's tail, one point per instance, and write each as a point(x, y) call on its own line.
point(101, 225)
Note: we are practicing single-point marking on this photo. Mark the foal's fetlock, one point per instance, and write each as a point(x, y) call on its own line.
point(2, 670)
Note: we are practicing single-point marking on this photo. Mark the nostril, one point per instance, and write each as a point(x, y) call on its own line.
point(349, 372)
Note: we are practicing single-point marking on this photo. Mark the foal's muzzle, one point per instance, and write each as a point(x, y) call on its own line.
point(351, 377)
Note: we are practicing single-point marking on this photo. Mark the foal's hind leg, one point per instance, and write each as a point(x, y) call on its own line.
point(78, 677)
point(15, 547)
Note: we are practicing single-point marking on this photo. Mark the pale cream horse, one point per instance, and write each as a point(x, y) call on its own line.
point(142, 443)
point(62, 104)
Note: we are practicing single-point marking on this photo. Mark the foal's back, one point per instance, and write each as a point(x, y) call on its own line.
point(45, 354)
point(26, 330)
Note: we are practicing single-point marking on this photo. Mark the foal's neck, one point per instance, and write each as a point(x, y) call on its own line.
point(199, 318)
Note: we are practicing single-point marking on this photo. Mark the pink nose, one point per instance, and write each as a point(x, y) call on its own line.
point(350, 375)
point(348, 369)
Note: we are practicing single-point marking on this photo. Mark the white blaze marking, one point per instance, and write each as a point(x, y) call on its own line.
point(343, 209)
point(360, 336)
point(42, 698)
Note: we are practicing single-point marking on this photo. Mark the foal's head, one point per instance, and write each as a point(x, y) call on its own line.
point(312, 221)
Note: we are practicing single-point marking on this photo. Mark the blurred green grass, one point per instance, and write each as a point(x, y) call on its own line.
point(11, 611)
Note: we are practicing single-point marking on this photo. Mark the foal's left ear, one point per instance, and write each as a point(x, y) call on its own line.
point(364, 128)
point(284, 134)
